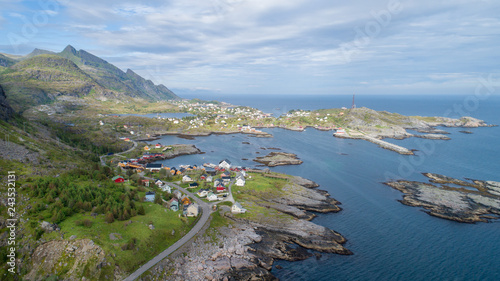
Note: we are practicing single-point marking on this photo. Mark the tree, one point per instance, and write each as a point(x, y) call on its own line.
point(109, 217)
point(163, 173)
point(141, 211)
point(158, 198)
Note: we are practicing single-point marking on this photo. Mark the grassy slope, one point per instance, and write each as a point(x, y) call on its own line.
point(55, 157)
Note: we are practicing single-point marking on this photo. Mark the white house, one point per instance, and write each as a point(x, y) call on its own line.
point(209, 179)
point(192, 210)
point(212, 197)
point(240, 182)
point(202, 192)
point(237, 208)
point(186, 178)
point(225, 164)
point(159, 183)
point(166, 188)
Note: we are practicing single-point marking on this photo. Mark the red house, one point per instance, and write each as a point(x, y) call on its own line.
point(118, 179)
point(220, 188)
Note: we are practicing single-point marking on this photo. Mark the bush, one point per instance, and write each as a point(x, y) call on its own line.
point(109, 218)
point(87, 223)
point(141, 211)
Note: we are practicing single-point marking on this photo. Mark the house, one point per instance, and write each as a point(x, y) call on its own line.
point(340, 131)
point(240, 182)
point(166, 188)
point(193, 185)
point(225, 164)
point(185, 200)
point(153, 167)
point(203, 192)
point(150, 196)
point(238, 209)
point(158, 145)
point(118, 179)
point(209, 179)
point(212, 197)
point(174, 204)
point(191, 210)
point(226, 179)
point(159, 183)
point(203, 177)
point(147, 148)
point(126, 139)
point(145, 182)
point(177, 194)
point(217, 182)
point(186, 178)
point(221, 188)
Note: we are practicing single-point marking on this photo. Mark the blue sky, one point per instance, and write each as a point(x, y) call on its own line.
point(273, 47)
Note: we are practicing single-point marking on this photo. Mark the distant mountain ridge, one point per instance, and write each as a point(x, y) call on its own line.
point(43, 75)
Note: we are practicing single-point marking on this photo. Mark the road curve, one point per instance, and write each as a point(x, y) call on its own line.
point(199, 225)
point(103, 163)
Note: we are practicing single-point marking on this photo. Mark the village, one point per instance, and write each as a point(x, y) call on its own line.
point(175, 187)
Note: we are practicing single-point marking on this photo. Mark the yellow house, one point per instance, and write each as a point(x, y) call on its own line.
point(147, 148)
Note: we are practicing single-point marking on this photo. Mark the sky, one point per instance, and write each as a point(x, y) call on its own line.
point(286, 47)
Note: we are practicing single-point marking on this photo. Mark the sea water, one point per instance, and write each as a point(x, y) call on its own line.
point(390, 241)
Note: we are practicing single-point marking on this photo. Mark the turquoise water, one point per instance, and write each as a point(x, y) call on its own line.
point(390, 241)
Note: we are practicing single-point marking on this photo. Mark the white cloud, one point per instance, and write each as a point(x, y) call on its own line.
point(232, 43)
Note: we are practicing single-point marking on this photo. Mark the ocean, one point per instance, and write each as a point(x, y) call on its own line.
point(390, 241)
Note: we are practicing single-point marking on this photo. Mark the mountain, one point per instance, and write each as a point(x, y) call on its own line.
point(6, 61)
point(37, 52)
point(112, 77)
point(41, 76)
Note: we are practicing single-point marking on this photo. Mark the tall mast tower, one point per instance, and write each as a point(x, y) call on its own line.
point(353, 104)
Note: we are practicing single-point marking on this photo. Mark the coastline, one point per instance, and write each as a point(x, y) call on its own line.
point(246, 247)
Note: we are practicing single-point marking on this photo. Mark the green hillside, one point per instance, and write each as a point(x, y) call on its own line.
point(42, 76)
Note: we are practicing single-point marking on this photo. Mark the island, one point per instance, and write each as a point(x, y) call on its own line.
point(453, 199)
point(278, 159)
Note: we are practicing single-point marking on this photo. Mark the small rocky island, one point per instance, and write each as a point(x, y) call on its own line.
point(279, 159)
point(453, 199)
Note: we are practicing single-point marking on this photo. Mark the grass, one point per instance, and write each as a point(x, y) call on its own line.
point(150, 242)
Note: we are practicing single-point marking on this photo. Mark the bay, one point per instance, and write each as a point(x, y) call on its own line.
point(390, 241)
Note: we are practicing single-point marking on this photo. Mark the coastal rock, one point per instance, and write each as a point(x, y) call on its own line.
point(81, 258)
point(433, 137)
point(181, 149)
point(478, 201)
point(278, 159)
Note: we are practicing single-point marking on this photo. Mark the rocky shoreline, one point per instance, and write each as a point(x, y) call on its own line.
point(274, 159)
point(245, 249)
point(453, 199)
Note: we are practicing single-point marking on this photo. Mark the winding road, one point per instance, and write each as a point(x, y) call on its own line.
point(103, 163)
point(206, 210)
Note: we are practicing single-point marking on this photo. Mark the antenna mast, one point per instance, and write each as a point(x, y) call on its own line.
point(353, 104)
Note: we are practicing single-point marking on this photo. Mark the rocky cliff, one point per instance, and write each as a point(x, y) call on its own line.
point(6, 111)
